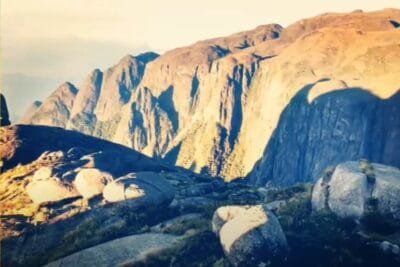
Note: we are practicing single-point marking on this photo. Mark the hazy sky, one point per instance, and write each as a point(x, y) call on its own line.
point(45, 42)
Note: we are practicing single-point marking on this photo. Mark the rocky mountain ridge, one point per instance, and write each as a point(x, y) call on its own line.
point(217, 106)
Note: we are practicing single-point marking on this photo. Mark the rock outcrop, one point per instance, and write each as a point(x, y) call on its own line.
point(4, 116)
point(220, 105)
point(21, 144)
point(57, 178)
point(146, 188)
point(127, 250)
point(355, 189)
point(250, 235)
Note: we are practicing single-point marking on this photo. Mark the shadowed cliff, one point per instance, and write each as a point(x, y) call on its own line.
point(338, 126)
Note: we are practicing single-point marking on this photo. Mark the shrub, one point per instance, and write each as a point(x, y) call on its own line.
point(378, 223)
point(289, 192)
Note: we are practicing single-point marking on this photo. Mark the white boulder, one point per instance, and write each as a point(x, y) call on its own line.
point(249, 235)
point(50, 190)
point(90, 182)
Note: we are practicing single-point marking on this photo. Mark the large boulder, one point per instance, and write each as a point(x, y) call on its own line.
point(50, 190)
point(141, 189)
point(354, 188)
point(43, 173)
point(127, 250)
point(90, 182)
point(249, 235)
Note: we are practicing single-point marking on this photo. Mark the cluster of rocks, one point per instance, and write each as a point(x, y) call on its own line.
point(151, 188)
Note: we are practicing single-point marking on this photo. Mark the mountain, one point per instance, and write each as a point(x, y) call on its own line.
point(221, 105)
point(56, 109)
point(30, 112)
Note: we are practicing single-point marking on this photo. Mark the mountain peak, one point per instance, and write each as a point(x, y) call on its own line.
point(67, 86)
point(128, 59)
point(147, 57)
point(37, 103)
point(95, 72)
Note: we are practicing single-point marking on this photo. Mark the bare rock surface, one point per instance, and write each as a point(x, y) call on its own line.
point(148, 188)
point(355, 189)
point(126, 250)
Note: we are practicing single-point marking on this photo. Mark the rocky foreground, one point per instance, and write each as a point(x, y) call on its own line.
point(68, 199)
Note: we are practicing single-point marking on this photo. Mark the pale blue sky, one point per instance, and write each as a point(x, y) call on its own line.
point(45, 42)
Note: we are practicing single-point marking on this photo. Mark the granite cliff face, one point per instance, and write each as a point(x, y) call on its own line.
point(220, 105)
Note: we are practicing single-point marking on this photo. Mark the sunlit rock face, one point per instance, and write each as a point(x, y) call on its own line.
point(56, 109)
point(220, 105)
point(82, 114)
point(50, 190)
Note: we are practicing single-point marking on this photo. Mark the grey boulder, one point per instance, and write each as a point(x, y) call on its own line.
point(355, 188)
point(139, 189)
point(249, 235)
point(126, 250)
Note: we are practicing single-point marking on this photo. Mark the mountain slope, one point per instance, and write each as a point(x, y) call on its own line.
point(56, 109)
point(214, 106)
